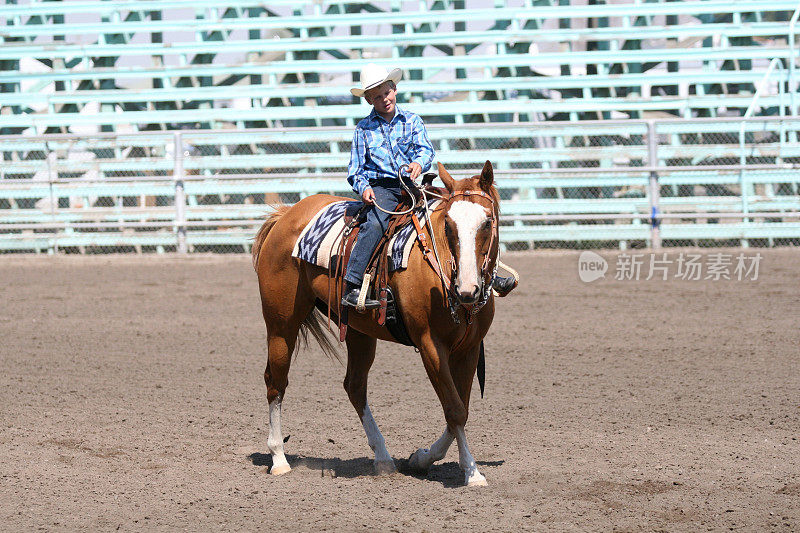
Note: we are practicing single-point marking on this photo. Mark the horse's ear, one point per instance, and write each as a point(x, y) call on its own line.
point(487, 176)
point(446, 178)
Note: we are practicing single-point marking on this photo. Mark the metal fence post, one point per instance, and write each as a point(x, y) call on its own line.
point(180, 195)
point(792, 85)
point(654, 188)
point(52, 175)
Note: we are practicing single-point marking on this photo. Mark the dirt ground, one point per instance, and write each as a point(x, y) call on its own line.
point(133, 399)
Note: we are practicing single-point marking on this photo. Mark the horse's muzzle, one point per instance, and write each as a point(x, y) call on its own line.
point(468, 297)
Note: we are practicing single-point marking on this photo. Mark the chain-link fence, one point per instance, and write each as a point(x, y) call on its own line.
point(603, 184)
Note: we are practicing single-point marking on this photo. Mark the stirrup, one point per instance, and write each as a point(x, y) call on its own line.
point(364, 302)
point(353, 297)
point(361, 303)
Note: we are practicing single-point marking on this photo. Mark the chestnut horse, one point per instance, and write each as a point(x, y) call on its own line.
point(447, 330)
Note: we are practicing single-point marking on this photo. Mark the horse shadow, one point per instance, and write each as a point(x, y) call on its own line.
point(448, 474)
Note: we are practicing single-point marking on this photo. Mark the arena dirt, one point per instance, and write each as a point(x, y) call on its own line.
point(133, 399)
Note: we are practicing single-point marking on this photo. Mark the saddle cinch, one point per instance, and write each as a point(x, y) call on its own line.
point(377, 274)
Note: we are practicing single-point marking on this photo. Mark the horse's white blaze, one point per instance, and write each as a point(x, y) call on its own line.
point(374, 437)
point(275, 439)
point(468, 217)
point(466, 461)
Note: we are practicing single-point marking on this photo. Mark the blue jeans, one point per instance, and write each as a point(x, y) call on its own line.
point(387, 195)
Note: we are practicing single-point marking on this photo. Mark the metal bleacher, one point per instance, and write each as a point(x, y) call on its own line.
point(534, 58)
point(107, 105)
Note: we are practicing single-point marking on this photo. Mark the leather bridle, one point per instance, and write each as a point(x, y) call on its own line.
point(485, 276)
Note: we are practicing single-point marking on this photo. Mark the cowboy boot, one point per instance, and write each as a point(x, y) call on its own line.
point(352, 293)
point(503, 285)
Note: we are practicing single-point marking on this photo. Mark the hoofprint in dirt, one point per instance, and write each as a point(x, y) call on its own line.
point(133, 398)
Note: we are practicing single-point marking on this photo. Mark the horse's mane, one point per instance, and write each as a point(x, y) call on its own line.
point(272, 218)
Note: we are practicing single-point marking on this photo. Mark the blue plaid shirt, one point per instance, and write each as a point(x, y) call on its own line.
point(380, 148)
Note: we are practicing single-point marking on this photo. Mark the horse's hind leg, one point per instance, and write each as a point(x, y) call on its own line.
point(283, 321)
point(276, 379)
point(360, 355)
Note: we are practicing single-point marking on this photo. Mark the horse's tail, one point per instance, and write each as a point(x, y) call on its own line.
point(272, 218)
point(313, 324)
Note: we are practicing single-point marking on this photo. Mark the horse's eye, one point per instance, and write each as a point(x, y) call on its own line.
point(486, 224)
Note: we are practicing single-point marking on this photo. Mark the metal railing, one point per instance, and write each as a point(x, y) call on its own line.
point(596, 184)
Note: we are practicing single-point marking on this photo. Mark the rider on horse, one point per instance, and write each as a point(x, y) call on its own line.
point(386, 140)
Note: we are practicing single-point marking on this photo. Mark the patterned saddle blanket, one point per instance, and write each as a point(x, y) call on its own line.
point(322, 235)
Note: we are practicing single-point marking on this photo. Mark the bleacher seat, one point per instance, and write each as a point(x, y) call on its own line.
point(121, 66)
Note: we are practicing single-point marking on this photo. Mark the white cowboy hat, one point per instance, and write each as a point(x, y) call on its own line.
point(373, 75)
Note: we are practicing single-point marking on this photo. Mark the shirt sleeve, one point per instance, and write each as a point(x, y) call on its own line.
point(424, 148)
point(355, 171)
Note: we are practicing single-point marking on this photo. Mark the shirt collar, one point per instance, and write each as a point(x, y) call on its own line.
point(398, 113)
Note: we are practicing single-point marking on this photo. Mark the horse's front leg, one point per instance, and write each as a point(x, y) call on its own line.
point(360, 355)
point(462, 367)
point(422, 459)
point(451, 376)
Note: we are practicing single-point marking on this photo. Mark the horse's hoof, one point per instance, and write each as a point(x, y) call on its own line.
point(384, 468)
point(414, 464)
point(279, 470)
point(475, 480)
